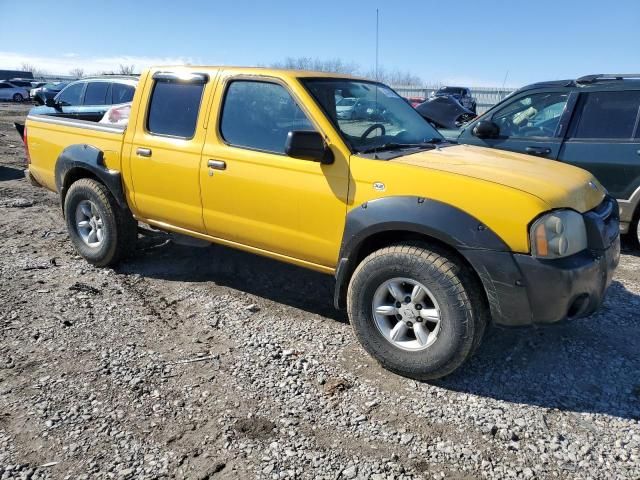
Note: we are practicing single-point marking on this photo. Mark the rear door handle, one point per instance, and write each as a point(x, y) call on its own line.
point(143, 152)
point(539, 151)
point(217, 164)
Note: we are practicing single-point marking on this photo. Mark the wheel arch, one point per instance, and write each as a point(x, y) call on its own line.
point(431, 222)
point(86, 161)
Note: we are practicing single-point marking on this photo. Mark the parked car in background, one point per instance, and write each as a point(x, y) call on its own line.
point(445, 112)
point(415, 101)
point(46, 91)
point(8, 91)
point(89, 98)
point(592, 122)
point(344, 107)
point(461, 94)
point(350, 108)
point(24, 83)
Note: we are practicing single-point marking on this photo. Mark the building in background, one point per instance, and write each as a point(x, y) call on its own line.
point(8, 74)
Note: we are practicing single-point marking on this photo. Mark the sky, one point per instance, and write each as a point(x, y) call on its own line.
point(469, 42)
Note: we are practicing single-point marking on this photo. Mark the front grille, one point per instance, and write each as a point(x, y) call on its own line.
point(603, 224)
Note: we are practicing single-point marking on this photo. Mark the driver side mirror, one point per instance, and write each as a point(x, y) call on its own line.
point(486, 129)
point(308, 146)
point(50, 102)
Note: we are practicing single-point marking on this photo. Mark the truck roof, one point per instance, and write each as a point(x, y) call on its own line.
point(276, 72)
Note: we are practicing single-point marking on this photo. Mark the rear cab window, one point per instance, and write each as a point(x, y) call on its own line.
point(174, 106)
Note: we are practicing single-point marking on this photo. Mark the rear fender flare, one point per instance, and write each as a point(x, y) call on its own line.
point(75, 160)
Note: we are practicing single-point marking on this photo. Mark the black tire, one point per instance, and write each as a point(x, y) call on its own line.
point(463, 312)
point(119, 226)
point(18, 98)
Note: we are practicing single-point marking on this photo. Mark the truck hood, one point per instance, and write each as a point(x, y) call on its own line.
point(556, 183)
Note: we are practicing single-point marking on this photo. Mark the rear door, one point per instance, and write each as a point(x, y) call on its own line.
point(166, 149)
point(532, 123)
point(97, 97)
point(604, 138)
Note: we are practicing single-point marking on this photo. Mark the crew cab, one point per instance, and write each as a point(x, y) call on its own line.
point(428, 241)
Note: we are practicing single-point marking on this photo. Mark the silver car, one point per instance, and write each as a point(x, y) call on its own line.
point(11, 92)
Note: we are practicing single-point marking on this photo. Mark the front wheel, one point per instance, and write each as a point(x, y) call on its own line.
point(101, 231)
point(17, 97)
point(416, 310)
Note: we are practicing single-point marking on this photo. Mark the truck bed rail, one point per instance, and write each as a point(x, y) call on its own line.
point(71, 122)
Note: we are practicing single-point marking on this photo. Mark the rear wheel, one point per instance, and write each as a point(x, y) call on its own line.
point(101, 231)
point(17, 97)
point(416, 310)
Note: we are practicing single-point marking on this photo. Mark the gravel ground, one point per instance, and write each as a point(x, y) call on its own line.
point(210, 363)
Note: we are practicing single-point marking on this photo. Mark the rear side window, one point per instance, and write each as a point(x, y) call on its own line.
point(96, 93)
point(174, 108)
point(122, 93)
point(72, 95)
point(259, 115)
point(609, 115)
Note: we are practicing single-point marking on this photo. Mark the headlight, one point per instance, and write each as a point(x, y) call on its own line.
point(558, 234)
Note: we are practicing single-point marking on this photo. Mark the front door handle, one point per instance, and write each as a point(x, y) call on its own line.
point(217, 164)
point(539, 151)
point(143, 152)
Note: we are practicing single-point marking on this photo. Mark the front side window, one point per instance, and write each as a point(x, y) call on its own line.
point(174, 108)
point(122, 93)
point(4, 85)
point(608, 115)
point(96, 93)
point(536, 115)
point(259, 115)
point(377, 118)
point(72, 95)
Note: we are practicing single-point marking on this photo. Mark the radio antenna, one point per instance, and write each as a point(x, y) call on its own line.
point(377, 30)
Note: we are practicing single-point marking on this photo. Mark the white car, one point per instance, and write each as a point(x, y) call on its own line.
point(11, 92)
point(345, 107)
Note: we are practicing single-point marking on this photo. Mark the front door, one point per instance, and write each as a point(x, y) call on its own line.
point(253, 193)
point(532, 124)
point(166, 150)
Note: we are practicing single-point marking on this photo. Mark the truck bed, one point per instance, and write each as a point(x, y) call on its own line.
point(48, 136)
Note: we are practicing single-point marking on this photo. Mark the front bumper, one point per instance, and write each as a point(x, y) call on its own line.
point(524, 290)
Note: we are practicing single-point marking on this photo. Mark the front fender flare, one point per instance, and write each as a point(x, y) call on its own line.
point(430, 218)
point(89, 159)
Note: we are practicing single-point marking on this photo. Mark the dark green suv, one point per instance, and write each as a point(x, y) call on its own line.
point(592, 122)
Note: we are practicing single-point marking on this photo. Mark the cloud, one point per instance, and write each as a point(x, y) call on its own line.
point(64, 63)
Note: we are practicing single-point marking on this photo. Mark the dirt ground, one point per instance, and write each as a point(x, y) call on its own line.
point(211, 363)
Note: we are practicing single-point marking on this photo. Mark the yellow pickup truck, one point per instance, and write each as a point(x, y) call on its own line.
point(428, 241)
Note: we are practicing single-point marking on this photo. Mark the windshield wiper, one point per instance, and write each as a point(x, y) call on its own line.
point(399, 146)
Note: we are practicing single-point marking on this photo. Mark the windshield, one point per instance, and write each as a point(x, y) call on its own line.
point(378, 118)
